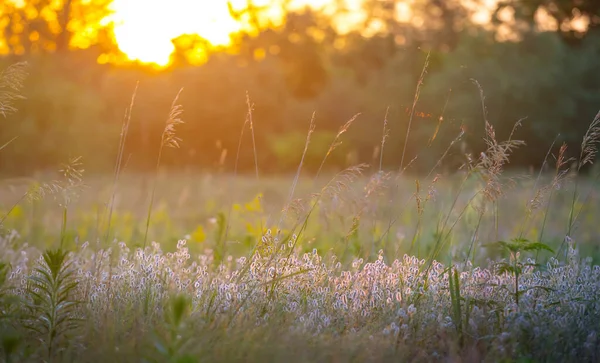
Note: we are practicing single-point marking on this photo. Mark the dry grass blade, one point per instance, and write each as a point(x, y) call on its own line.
point(589, 143)
point(438, 163)
point(336, 141)
point(377, 183)
point(72, 182)
point(412, 111)
point(39, 192)
point(343, 180)
point(168, 137)
point(254, 152)
point(537, 193)
point(559, 176)
point(11, 83)
point(561, 173)
point(482, 98)
point(72, 171)
point(587, 156)
point(119, 160)
point(7, 143)
point(248, 121)
point(386, 134)
point(296, 208)
point(491, 162)
point(440, 120)
point(311, 129)
point(251, 124)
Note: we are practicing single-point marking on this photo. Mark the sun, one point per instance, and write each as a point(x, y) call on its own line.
point(144, 28)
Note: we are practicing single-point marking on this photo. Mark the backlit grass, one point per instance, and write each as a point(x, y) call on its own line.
point(361, 265)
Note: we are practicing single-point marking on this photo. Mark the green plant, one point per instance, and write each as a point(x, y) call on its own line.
point(5, 296)
point(10, 339)
point(456, 302)
point(52, 308)
point(515, 265)
point(171, 346)
point(221, 237)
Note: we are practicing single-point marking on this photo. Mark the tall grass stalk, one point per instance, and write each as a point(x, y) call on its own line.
point(251, 122)
point(222, 243)
point(295, 234)
point(384, 137)
point(414, 106)
point(72, 183)
point(587, 155)
point(403, 168)
point(8, 143)
point(406, 202)
point(422, 203)
point(295, 237)
point(440, 120)
point(254, 152)
point(420, 209)
point(491, 166)
point(168, 139)
point(119, 161)
point(535, 191)
point(311, 129)
point(336, 142)
point(339, 181)
point(560, 174)
point(34, 193)
point(490, 163)
point(12, 207)
point(11, 84)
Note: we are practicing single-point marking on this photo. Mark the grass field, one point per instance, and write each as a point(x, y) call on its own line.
point(216, 282)
point(191, 206)
point(362, 265)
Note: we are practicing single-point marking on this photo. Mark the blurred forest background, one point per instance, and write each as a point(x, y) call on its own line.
point(534, 59)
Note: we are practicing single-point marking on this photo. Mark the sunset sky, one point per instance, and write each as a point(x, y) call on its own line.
point(144, 28)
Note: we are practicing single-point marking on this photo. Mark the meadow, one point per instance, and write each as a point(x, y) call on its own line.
point(365, 264)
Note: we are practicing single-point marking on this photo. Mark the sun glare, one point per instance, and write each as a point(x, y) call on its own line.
point(144, 28)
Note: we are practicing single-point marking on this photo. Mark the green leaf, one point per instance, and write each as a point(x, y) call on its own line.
point(186, 359)
point(179, 305)
point(537, 246)
point(503, 267)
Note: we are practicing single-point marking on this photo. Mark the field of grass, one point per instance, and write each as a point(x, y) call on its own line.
point(360, 266)
point(352, 274)
point(369, 212)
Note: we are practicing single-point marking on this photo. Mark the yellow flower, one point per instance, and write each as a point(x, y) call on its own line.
point(199, 235)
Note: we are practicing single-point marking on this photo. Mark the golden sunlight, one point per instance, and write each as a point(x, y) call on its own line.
point(144, 28)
